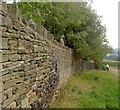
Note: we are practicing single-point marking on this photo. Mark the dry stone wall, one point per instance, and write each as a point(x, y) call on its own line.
point(32, 65)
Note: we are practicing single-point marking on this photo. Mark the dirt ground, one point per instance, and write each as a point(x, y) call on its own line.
point(114, 70)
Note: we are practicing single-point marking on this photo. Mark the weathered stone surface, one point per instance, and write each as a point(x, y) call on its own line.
point(13, 44)
point(4, 71)
point(24, 102)
point(1, 57)
point(6, 21)
point(28, 38)
point(9, 101)
point(8, 92)
point(1, 66)
point(45, 32)
point(32, 66)
point(14, 57)
point(4, 43)
point(12, 105)
point(16, 26)
point(31, 95)
point(3, 7)
point(5, 58)
point(27, 67)
point(6, 52)
point(26, 46)
point(3, 29)
point(36, 49)
point(6, 64)
point(6, 77)
point(50, 36)
point(12, 10)
point(3, 96)
point(18, 74)
point(32, 25)
point(39, 29)
point(9, 84)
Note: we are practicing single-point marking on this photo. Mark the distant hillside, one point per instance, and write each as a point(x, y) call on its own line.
point(114, 55)
point(116, 51)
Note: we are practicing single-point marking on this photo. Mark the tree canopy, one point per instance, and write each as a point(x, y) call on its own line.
point(78, 22)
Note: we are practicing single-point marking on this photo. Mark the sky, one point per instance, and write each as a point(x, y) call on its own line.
point(109, 10)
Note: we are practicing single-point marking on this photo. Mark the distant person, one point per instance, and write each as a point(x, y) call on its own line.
point(107, 67)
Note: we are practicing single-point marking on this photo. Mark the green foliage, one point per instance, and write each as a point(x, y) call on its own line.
point(78, 22)
point(89, 89)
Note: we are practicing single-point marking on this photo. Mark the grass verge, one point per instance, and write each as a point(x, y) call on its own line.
point(89, 89)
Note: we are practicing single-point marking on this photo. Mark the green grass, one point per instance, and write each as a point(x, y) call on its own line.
point(89, 89)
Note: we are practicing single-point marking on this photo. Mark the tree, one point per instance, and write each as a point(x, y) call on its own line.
point(78, 22)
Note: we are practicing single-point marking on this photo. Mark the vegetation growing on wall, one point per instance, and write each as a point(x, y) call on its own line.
point(78, 22)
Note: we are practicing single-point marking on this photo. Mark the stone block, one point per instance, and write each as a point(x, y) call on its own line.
point(3, 29)
point(27, 67)
point(31, 96)
point(26, 82)
point(6, 52)
point(6, 21)
point(16, 25)
point(35, 47)
point(4, 43)
point(13, 45)
point(21, 50)
point(6, 64)
point(9, 100)
point(14, 57)
point(28, 38)
point(25, 46)
point(32, 25)
point(25, 22)
point(20, 80)
point(5, 58)
point(4, 71)
point(14, 35)
point(0, 46)
point(12, 10)
point(41, 49)
point(12, 105)
point(9, 84)
point(14, 51)
point(21, 88)
point(1, 66)
point(39, 78)
point(6, 77)
point(39, 29)
point(24, 102)
point(30, 31)
point(8, 92)
point(3, 96)
point(15, 89)
point(50, 36)
point(45, 32)
point(3, 7)
point(19, 74)
point(1, 56)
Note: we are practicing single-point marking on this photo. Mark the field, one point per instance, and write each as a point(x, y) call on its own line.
point(112, 63)
point(89, 89)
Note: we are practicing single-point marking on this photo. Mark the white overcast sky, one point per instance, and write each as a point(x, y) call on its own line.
point(109, 10)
